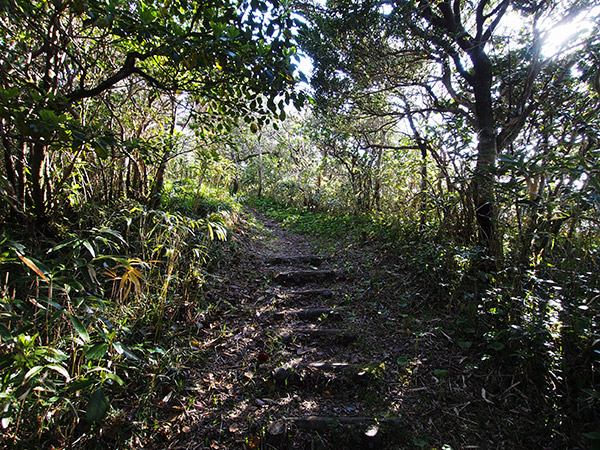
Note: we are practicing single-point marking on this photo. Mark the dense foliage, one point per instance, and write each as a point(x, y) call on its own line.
point(100, 102)
point(91, 89)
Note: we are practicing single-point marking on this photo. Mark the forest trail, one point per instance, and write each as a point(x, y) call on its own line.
point(313, 345)
point(289, 358)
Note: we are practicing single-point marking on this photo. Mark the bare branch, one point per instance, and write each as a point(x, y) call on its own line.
point(447, 82)
point(125, 71)
point(480, 19)
point(499, 11)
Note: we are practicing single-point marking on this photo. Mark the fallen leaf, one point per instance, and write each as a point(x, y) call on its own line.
point(253, 442)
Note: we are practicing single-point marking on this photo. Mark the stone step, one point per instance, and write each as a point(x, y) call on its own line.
point(326, 293)
point(299, 277)
point(318, 423)
point(299, 371)
point(359, 432)
point(313, 260)
point(308, 314)
point(338, 335)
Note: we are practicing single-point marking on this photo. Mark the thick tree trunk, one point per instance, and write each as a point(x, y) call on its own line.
point(484, 183)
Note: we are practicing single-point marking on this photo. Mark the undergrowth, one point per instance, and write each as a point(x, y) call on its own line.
point(534, 324)
point(89, 319)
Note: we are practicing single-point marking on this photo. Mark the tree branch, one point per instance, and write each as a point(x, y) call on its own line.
point(480, 20)
point(125, 71)
point(256, 155)
point(499, 11)
point(392, 147)
point(447, 82)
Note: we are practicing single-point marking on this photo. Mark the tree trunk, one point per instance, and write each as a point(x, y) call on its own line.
point(260, 168)
point(9, 167)
point(377, 181)
point(159, 181)
point(484, 182)
point(422, 144)
point(14, 155)
point(36, 163)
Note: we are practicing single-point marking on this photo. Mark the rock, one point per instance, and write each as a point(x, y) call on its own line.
point(276, 434)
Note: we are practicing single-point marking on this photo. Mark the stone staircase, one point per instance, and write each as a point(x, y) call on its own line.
point(321, 359)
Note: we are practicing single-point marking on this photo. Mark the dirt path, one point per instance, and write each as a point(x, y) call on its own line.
point(307, 345)
point(282, 359)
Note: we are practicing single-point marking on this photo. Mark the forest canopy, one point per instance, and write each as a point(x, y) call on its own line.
point(102, 83)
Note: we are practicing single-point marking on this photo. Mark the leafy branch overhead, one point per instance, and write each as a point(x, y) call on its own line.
point(480, 68)
point(229, 61)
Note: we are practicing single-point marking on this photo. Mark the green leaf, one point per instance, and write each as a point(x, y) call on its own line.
point(89, 247)
point(96, 351)
point(100, 150)
point(35, 265)
point(78, 385)
point(116, 378)
point(5, 332)
point(97, 406)
point(33, 371)
point(496, 346)
point(50, 116)
point(122, 350)
point(419, 442)
point(112, 233)
point(465, 344)
point(402, 361)
point(8, 94)
point(60, 369)
point(66, 243)
point(80, 328)
point(440, 373)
